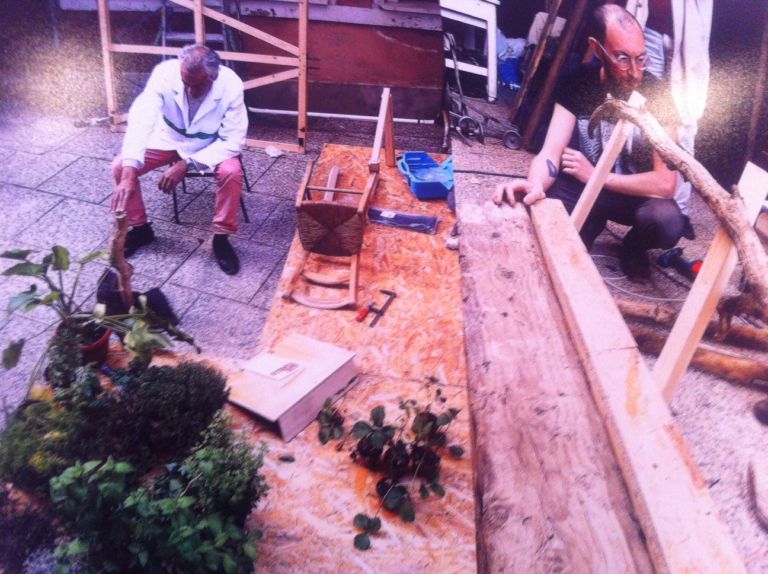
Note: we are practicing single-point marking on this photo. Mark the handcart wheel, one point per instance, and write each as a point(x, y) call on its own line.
point(512, 139)
point(468, 126)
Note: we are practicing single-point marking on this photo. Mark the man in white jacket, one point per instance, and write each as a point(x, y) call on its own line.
point(192, 116)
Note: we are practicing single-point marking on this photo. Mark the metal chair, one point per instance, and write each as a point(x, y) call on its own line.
point(212, 174)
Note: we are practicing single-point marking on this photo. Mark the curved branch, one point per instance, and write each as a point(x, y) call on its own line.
point(728, 208)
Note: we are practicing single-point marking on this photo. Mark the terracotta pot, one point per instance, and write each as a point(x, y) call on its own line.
point(96, 352)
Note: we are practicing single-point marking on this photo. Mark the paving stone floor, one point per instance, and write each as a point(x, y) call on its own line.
point(55, 189)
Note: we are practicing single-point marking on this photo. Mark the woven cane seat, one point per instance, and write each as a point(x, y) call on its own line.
point(329, 228)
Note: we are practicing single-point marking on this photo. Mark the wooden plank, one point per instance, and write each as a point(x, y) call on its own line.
point(544, 95)
point(389, 134)
point(238, 25)
point(251, 142)
point(197, 16)
point(671, 499)
point(706, 290)
point(106, 46)
point(270, 79)
point(549, 495)
point(381, 122)
point(303, 76)
point(236, 56)
point(604, 166)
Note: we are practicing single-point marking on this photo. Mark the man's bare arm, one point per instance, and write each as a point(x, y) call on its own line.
point(544, 167)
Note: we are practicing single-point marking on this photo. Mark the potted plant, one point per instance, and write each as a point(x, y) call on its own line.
point(143, 331)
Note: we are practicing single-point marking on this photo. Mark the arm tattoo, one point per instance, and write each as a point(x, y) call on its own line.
point(551, 168)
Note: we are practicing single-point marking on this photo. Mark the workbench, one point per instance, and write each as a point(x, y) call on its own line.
point(307, 516)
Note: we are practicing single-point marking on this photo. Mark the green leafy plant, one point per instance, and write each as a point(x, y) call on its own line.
point(406, 453)
point(331, 423)
point(369, 525)
point(191, 518)
point(143, 330)
point(164, 409)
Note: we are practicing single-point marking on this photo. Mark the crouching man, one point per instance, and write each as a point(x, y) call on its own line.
point(639, 191)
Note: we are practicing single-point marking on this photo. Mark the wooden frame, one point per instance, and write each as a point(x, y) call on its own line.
point(297, 59)
point(706, 290)
point(385, 134)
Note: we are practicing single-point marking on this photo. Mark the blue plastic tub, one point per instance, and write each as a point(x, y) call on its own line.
point(427, 178)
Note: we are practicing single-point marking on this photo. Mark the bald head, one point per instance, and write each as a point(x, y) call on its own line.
point(610, 15)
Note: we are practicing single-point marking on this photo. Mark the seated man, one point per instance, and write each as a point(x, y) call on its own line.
point(639, 191)
point(191, 114)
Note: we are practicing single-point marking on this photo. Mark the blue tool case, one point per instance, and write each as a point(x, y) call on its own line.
point(427, 178)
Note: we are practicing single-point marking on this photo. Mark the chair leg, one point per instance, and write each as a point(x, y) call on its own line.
point(176, 203)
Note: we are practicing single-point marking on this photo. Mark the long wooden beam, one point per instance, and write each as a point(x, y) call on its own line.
point(604, 166)
point(671, 498)
point(548, 493)
point(706, 290)
point(384, 135)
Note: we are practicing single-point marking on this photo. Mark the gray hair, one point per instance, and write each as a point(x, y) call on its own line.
point(195, 57)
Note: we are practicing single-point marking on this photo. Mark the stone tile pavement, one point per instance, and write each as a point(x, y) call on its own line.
point(55, 188)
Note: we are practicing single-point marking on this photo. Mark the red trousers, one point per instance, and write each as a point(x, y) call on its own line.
point(229, 178)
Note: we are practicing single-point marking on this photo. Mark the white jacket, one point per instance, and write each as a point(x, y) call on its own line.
point(159, 118)
point(689, 75)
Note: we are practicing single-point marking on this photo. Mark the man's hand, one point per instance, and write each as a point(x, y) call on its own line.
point(172, 177)
point(575, 164)
point(129, 184)
point(506, 191)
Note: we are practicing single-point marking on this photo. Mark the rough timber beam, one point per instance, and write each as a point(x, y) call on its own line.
point(671, 498)
point(549, 495)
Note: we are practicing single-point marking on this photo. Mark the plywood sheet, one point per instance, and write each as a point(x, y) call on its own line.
point(421, 333)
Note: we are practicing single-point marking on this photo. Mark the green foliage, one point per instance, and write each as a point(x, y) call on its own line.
point(64, 357)
point(164, 409)
point(369, 525)
point(190, 520)
point(418, 457)
point(39, 442)
point(24, 529)
point(331, 423)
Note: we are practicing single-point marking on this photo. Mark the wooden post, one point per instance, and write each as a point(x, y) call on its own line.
point(707, 289)
point(544, 96)
point(671, 498)
point(106, 54)
point(384, 135)
point(303, 80)
point(199, 22)
point(604, 165)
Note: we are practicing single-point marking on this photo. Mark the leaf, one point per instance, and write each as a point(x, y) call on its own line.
point(123, 468)
point(12, 353)
point(377, 416)
point(143, 558)
point(337, 433)
point(186, 501)
point(60, 258)
point(286, 458)
point(454, 412)
point(362, 541)
point(20, 300)
point(324, 435)
point(19, 254)
point(423, 491)
point(91, 256)
point(406, 512)
point(443, 420)
point(437, 488)
point(394, 498)
point(230, 566)
point(77, 547)
point(374, 525)
point(361, 429)
point(250, 551)
point(378, 439)
point(25, 269)
point(361, 521)
point(456, 451)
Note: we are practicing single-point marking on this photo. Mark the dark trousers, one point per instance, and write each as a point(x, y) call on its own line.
point(655, 223)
